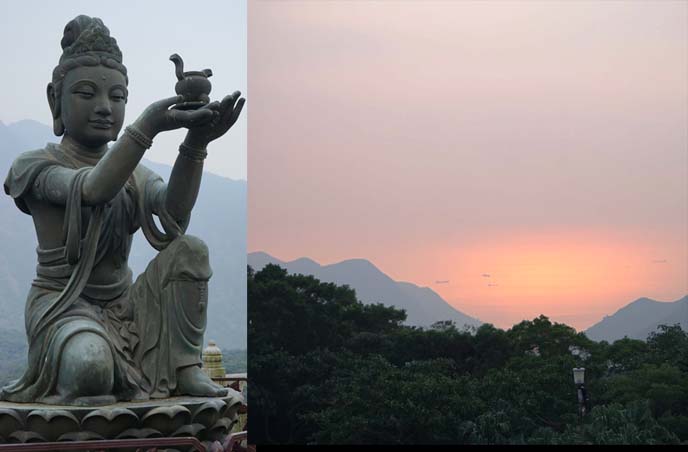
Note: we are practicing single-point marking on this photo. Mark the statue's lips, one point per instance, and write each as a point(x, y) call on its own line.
point(101, 124)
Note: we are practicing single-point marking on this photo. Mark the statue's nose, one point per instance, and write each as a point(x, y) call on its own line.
point(103, 109)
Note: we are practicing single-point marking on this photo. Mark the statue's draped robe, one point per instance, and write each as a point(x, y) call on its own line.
point(150, 331)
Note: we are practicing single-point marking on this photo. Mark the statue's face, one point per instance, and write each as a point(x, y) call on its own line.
point(93, 100)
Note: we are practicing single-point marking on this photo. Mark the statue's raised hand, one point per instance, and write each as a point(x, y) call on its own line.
point(226, 114)
point(158, 117)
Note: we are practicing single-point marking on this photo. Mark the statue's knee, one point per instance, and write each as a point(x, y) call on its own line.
point(86, 366)
point(189, 246)
point(190, 258)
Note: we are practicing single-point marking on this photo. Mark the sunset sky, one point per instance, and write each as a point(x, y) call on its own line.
point(533, 154)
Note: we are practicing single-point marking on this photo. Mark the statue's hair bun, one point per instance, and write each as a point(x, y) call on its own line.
point(76, 26)
point(85, 34)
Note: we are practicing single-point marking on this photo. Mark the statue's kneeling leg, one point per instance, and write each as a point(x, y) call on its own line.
point(190, 286)
point(191, 380)
point(174, 289)
point(87, 371)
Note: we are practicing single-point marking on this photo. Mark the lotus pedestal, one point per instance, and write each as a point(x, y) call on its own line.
point(206, 418)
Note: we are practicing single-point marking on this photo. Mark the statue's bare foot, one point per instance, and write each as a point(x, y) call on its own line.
point(193, 381)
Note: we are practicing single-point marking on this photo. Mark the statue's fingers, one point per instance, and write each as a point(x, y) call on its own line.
point(215, 106)
point(197, 117)
point(235, 95)
point(167, 103)
point(237, 110)
point(226, 110)
point(181, 118)
point(172, 118)
point(228, 102)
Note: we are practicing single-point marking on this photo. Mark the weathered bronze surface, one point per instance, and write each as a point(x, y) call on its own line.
point(96, 336)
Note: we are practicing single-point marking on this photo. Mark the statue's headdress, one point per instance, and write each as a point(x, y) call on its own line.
point(88, 35)
point(86, 41)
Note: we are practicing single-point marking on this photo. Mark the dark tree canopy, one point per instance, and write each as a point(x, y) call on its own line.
point(328, 369)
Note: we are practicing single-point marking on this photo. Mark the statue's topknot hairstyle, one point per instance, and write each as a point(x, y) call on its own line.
point(84, 34)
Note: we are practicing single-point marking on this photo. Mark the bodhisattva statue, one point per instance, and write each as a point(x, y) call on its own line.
point(95, 336)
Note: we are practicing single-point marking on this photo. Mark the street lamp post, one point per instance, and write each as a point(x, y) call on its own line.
point(579, 380)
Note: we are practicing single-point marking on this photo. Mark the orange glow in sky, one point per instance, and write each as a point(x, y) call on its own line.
point(575, 277)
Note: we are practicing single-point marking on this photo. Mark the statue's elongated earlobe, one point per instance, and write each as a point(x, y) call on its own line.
point(58, 126)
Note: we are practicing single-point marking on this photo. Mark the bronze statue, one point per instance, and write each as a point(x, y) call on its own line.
point(96, 336)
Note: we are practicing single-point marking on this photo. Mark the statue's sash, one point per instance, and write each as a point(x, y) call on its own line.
point(80, 254)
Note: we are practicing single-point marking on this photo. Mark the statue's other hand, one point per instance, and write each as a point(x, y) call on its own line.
point(158, 117)
point(225, 115)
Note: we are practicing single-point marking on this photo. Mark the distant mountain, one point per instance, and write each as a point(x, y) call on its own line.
point(21, 136)
point(640, 318)
point(423, 306)
point(219, 218)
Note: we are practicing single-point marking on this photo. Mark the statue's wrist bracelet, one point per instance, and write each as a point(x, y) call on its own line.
point(192, 153)
point(138, 136)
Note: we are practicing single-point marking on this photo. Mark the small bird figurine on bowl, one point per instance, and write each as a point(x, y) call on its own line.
point(193, 85)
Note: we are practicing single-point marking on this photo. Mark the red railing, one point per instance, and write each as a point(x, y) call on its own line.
point(232, 444)
point(144, 444)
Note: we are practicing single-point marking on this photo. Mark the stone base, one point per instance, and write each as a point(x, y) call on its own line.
point(205, 418)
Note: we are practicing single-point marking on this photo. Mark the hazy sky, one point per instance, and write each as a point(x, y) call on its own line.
point(534, 154)
point(148, 32)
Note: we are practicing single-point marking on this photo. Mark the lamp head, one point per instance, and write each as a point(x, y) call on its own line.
point(579, 375)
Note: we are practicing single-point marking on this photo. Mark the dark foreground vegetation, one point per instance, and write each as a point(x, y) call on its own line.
point(326, 368)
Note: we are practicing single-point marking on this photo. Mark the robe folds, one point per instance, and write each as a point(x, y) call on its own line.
point(153, 326)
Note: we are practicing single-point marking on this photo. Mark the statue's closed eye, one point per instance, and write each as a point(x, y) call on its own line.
point(117, 95)
point(83, 92)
